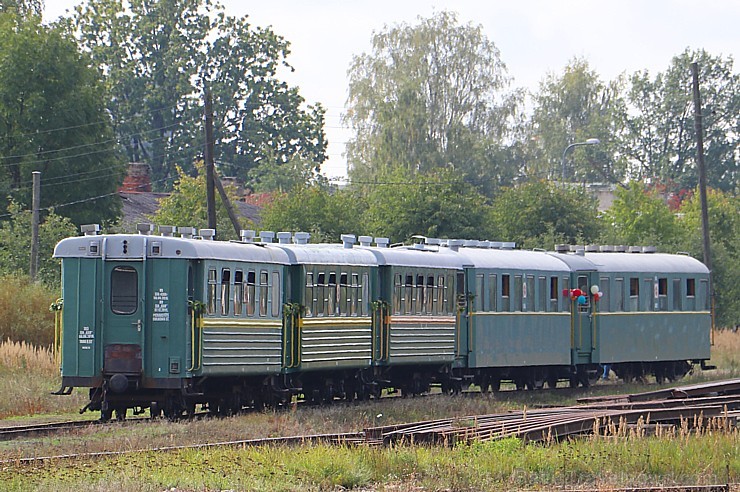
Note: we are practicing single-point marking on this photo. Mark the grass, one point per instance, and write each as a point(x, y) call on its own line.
point(617, 459)
point(25, 307)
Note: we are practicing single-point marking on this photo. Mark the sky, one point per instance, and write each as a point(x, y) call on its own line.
point(534, 37)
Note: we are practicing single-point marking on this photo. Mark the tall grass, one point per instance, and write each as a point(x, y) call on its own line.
point(726, 352)
point(25, 311)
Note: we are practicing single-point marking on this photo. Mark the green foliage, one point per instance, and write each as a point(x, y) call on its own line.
point(15, 244)
point(724, 232)
point(570, 108)
point(186, 206)
point(24, 8)
point(53, 120)
point(323, 212)
point(537, 213)
point(640, 216)
point(430, 96)
point(25, 307)
point(661, 136)
point(161, 57)
point(436, 204)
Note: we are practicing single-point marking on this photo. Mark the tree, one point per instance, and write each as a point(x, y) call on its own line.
point(570, 108)
point(537, 213)
point(185, 206)
point(24, 8)
point(160, 57)
point(15, 243)
point(437, 204)
point(53, 120)
point(430, 96)
point(323, 212)
point(661, 139)
point(640, 216)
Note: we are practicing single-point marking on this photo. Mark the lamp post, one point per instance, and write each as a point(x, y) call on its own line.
point(590, 141)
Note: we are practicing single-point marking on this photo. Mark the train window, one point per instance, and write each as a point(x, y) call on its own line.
point(276, 294)
point(124, 290)
point(321, 294)
point(542, 304)
point(365, 294)
point(704, 291)
point(225, 294)
point(690, 287)
point(398, 294)
point(492, 291)
point(355, 293)
point(554, 293)
point(478, 299)
point(677, 298)
point(429, 296)
point(419, 297)
point(440, 294)
point(344, 298)
point(663, 294)
point(238, 292)
point(249, 294)
point(450, 295)
point(308, 299)
point(211, 304)
point(505, 291)
point(618, 294)
point(264, 287)
point(518, 299)
point(408, 294)
point(634, 294)
point(528, 296)
point(604, 289)
point(332, 307)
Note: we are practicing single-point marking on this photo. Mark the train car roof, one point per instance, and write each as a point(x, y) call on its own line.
point(509, 259)
point(646, 262)
point(422, 258)
point(633, 262)
point(326, 254)
point(111, 247)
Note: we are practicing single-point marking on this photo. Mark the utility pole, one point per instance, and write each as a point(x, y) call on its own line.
point(702, 168)
point(227, 204)
point(36, 201)
point(208, 157)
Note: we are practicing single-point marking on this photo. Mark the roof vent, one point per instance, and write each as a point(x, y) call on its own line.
point(348, 240)
point(266, 236)
point(496, 244)
point(620, 249)
point(455, 244)
point(284, 237)
point(649, 249)
point(187, 232)
point(592, 248)
point(365, 240)
point(90, 229)
point(607, 249)
point(508, 245)
point(382, 242)
point(484, 244)
point(432, 241)
point(301, 237)
point(562, 248)
point(580, 251)
point(470, 243)
point(247, 235)
point(635, 249)
point(208, 234)
point(443, 243)
point(167, 231)
point(145, 229)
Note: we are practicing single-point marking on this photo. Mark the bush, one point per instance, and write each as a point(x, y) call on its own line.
point(25, 307)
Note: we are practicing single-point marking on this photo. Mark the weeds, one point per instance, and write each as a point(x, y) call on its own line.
point(25, 307)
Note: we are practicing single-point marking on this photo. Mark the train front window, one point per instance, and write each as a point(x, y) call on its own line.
point(124, 290)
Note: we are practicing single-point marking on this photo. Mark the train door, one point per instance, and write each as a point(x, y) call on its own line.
point(123, 317)
point(583, 319)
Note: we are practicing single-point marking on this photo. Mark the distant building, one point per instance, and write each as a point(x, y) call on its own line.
point(140, 203)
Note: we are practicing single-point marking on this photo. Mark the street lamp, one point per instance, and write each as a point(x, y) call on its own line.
point(590, 141)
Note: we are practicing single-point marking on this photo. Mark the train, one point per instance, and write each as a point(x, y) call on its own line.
point(170, 319)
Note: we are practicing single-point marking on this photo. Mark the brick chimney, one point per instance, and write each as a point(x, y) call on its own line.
point(137, 179)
